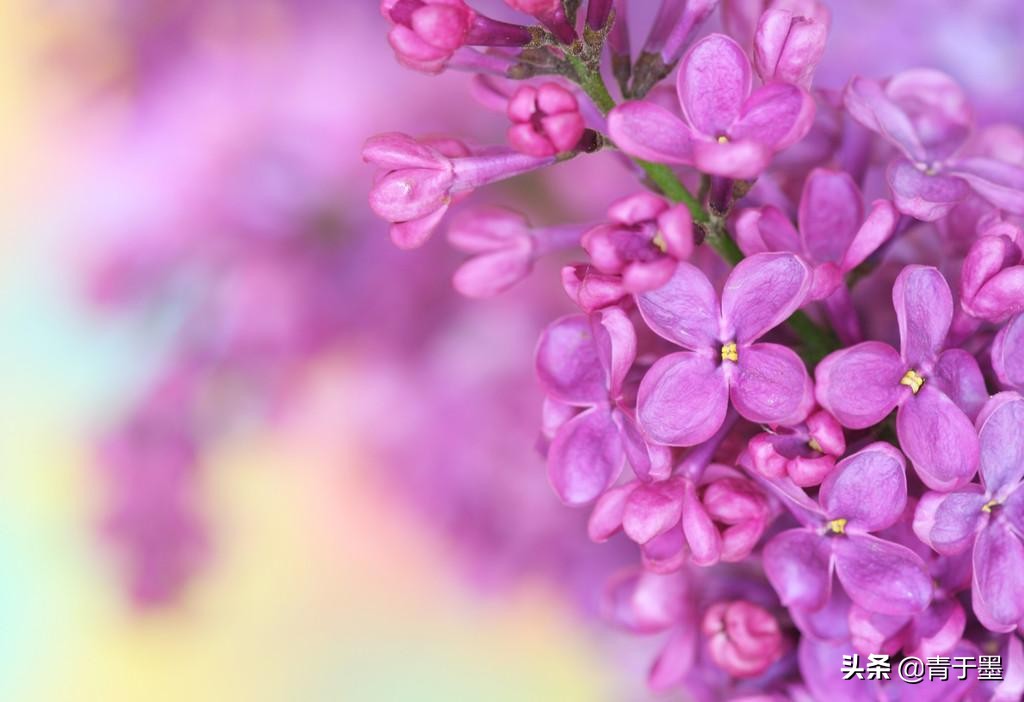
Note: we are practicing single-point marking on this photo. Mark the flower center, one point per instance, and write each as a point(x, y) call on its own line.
point(723, 139)
point(989, 506)
point(912, 380)
point(659, 243)
point(730, 352)
point(814, 445)
point(837, 526)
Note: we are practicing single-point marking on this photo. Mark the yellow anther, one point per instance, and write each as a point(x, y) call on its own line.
point(912, 380)
point(837, 526)
point(723, 139)
point(730, 352)
point(815, 446)
point(659, 243)
point(987, 507)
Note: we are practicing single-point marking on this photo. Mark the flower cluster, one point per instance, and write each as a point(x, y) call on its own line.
point(803, 332)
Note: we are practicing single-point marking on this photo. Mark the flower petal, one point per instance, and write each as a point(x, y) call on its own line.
point(701, 534)
point(606, 517)
point(860, 385)
point(761, 229)
point(771, 385)
point(653, 509)
point(999, 182)
point(682, 400)
point(1001, 439)
point(997, 597)
point(741, 159)
point(924, 310)
point(585, 457)
point(881, 576)
point(644, 603)
point(488, 228)
point(798, 564)
point(415, 232)
point(875, 231)
point(948, 522)
point(830, 213)
point(867, 103)
point(1008, 353)
point(488, 274)
point(713, 82)
point(938, 438)
point(958, 375)
point(868, 489)
point(615, 338)
point(649, 131)
point(927, 197)
point(776, 115)
point(649, 461)
point(761, 292)
point(684, 310)
point(568, 364)
point(675, 660)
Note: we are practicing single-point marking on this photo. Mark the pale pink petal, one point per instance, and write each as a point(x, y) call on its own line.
point(649, 131)
point(999, 182)
point(741, 159)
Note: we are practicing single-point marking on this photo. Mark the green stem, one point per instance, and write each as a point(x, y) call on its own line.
point(818, 342)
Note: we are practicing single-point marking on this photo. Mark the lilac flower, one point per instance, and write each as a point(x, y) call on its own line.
point(726, 128)
point(990, 516)
point(1008, 354)
point(505, 248)
point(860, 385)
point(832, 233)
point(925, 115)
point(744, 639)
point(643, 241)
point(546, 120)
point(420, 180)
point(866, 493)
point(582, 362)
point(684, 396)
point(789, 42)
point(805, 452)
point(591, 289)
point(992, 278)
point(427, 33)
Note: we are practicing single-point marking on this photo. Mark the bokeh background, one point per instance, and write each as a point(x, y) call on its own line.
point(247, 449)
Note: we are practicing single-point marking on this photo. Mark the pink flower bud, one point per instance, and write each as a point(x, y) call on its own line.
point(740, 511)
point(806, 452)
point(427, 32)
point(789, 43)
point(591, 289)
point(643, 241)
point(535, 7)
point(503, 246)
point(992, 278)
point(545, 120)
point(743, 638)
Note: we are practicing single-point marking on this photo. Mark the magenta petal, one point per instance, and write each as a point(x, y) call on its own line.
point(871, 632)
point(684, 310)
point(606, 517)
point(649, 131)
point(867, 103)
point(881, 576)
point(763, 229)
point(1008, 353)
point(410, 193)
point(649, 461)
point(644, 603)
point(415, 232)
point(568, 363)
point(938, 438)
point(948, 522)
point(585, 457)
point(395, 150)
point(1002, 296)
point(666, 553)
point(488, 274)
point(875, 231)
point(682, 400)
point(713, 81)
point(830, 213)
point(641, 277)
point(776, 115)
point(652, 509)
point(615, 339)
point(939, 628)
point(701, 534)
point(868, 489)
point(997, 596)
point(761, 292)
point(798, 564)
point(1001, 437)
point(860, 385)
point(675, 660)
point(958, 375)
point(486, 229)
point(999, 182)
point(924, 309)
point(743, 160)
point(771, 385)
point(927, 197)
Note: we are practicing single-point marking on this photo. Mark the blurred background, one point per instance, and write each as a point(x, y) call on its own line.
point(247, 449)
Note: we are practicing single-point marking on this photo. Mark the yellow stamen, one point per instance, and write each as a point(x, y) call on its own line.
point(912, 380)
point(723, 139)
point(837, 526)
point(987, 507)
point(730, 352)
point(815, 446)
point(659, 243)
